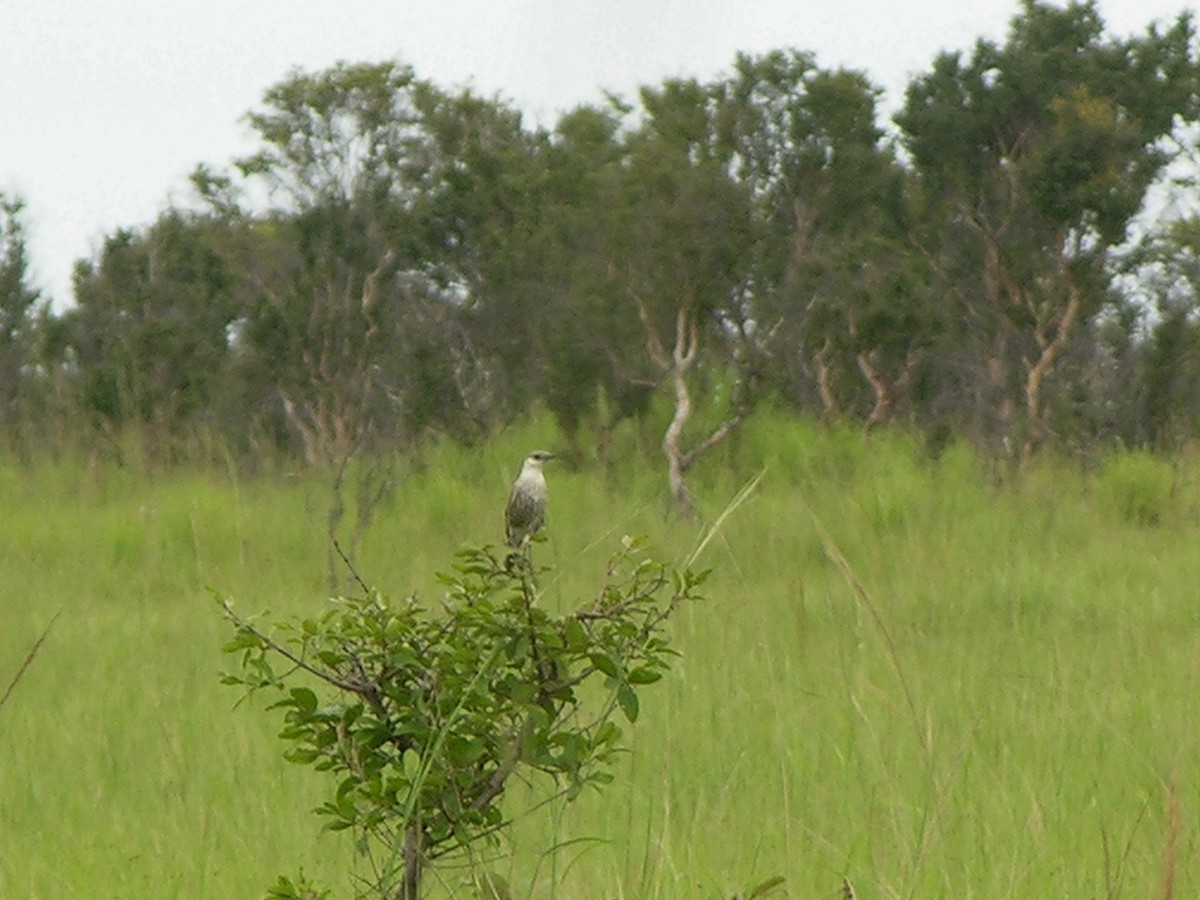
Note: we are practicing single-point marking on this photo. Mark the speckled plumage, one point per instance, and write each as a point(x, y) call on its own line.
point(525, 513)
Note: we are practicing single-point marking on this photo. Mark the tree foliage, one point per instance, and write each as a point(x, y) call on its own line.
point(394, 259)
point(1036, 155)
point(148, 334)
point(18, 305)
point(354, 275)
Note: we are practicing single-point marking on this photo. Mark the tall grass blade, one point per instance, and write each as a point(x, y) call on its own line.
point(709, 533)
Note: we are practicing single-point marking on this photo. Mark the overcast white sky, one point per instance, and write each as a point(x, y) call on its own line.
point(107, 105)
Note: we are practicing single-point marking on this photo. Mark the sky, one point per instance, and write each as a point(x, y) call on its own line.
point(107, 105)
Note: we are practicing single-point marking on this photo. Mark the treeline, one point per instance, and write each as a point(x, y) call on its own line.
point(398, 259)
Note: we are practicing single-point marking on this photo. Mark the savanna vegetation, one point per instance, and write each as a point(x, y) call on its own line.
point(902, 675)
point(1010, 260)
point(949, 642)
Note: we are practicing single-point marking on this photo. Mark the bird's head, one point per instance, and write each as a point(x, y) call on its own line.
point(537, 457)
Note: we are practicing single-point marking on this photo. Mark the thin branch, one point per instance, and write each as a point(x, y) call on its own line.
point(657, 352)
point(718, 435)
point(371, 292)
point(362, 690)
point(495, 784)
point(366, 588)
point(33, 651)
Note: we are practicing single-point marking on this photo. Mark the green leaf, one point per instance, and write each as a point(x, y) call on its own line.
point(644, 675)
point(628, 701)
point(304, 699)
point(300, 756)
point(345, 806)
point(329, 657)
point(574, 751)
point(243, 640)
point(605, 664)
point(574, 634)
point(608, 733)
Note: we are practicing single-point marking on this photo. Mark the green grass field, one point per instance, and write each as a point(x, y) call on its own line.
point(904, 675)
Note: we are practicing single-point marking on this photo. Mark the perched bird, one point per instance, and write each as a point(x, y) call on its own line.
point(526, 510)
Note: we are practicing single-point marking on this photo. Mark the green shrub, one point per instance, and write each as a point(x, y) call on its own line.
point(422, 716)
point(1138, 488)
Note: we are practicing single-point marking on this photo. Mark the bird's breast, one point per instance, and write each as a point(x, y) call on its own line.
point(532, 484)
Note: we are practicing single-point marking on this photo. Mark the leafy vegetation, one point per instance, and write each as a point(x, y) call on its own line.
point(1004, 710)
point(425, 717)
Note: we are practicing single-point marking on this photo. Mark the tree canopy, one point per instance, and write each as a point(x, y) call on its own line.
point(395, 259)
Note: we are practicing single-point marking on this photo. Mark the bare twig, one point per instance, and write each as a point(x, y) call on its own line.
point(366, 588)
point(33, 651)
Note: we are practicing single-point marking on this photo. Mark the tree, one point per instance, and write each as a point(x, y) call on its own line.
point(422, 717)
point(1035, 156)
point(1169, 269)
point(148, 336)
point(681, 234)
point(835, 282)
point(482, 196)
point(334, 150)
point(18, 302)
point(593, 353)
point(347, 316)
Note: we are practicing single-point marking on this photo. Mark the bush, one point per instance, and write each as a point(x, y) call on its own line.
point(1138, 487)
point(421, 717)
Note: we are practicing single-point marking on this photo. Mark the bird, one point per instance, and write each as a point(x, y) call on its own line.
point(525, 513)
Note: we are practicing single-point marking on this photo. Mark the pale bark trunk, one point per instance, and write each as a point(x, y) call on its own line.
point(1051, 349)
point(676, 365)
point(823, 375)
point(887, 394)
point(997, 363)
point(680, 494)
point(884, 401)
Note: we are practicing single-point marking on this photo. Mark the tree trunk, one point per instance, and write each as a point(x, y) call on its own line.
point(410, 889)
point(329, 411)
point(996, 284)
point(887, 394)
point(884, 401)
point(1051, 348)
point(823, 375)
point(676, 366)
point(681, 496)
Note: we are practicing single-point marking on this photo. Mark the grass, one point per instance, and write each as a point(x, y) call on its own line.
point(905, 675)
